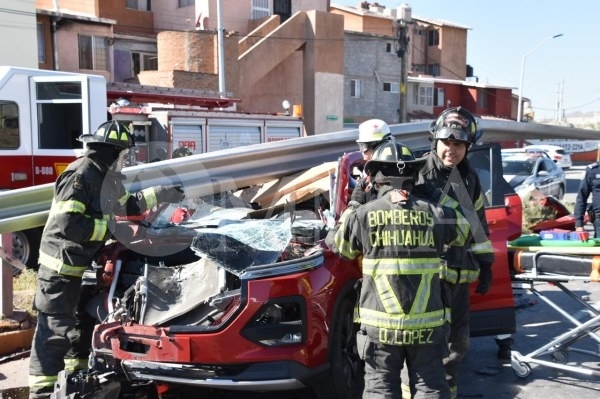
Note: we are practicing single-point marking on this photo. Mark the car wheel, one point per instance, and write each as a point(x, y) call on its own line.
point(345, 379)
point(561, 193)
point(26, 246)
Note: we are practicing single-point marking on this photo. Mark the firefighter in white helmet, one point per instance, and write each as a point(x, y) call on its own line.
point(371, 133)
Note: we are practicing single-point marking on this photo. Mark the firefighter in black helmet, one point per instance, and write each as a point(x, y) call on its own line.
point(87, 197)
point(401, 310)
point(447, 174)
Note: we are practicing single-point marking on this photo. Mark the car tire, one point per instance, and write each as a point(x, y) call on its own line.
point(561, 193)
point(346, 376)
point(26, 246)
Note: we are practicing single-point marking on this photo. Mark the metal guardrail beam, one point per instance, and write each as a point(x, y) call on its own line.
point(213, 172)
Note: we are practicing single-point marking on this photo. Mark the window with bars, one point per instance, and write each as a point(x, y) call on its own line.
point(355, 88)
point(186, 3)
point(93, 53)
point(433, 69)
point(260, 9)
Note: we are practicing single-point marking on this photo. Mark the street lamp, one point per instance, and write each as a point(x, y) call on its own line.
point(520, 104)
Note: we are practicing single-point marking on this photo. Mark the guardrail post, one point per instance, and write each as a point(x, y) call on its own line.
point(6, 279)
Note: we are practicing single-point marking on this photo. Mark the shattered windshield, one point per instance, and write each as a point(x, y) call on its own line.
point(240, 244)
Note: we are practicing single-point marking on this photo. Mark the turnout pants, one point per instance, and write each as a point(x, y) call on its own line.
point(63, 332)
point(384, 363)
point(458, 338)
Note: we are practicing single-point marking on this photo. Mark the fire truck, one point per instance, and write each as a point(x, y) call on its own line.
point(42, 114)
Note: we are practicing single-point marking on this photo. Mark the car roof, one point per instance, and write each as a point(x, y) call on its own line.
point(524, 154)
point(544, 147)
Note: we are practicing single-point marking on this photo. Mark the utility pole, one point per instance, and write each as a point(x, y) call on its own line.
point(402, 50)
point(221, 50)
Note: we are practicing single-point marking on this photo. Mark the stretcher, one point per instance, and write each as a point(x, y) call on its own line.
point(558, 266)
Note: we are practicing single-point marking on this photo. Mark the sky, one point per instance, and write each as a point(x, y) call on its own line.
point(503, 33)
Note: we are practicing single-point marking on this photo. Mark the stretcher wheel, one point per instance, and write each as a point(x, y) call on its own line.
point(522, 370)
point(560, 356)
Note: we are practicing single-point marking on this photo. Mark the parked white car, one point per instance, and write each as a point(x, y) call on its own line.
point(555, 152)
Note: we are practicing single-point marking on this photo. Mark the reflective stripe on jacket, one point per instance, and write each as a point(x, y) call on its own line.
point(401, 245)
point(460, 189)
point(86, 195)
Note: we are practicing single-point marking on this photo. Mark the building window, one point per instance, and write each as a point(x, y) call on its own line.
point(355, 88)
point(260, 9)
point(186, 3)
point(283, 8)
point(433, 69)
point(143, 5)
point(41, 43)
point(143, 62)
point(439, 97)
point(433, 37)
point(389, 48)
point(93, 53)
point(392, 87)
point(423, 95)
point(482, 98)
point(418, 68)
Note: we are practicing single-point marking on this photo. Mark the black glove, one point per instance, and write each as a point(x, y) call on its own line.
point(172, 194)
point(485, 279)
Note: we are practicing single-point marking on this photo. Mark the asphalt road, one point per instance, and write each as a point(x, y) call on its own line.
point(483, 375)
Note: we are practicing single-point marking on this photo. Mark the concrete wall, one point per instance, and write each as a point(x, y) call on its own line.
point(366, 59)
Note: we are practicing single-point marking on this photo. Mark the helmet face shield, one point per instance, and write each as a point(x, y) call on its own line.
point(453, 134)
point(456, 124)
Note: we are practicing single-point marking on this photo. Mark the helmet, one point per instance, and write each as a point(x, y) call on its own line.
point(373, 130)
point(392, 158)
point(456, 124)
point(111, 132)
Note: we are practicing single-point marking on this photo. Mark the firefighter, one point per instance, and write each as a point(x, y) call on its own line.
point(446, 174)
point(589, 185)
point(371, 133)
point(87, 196)
point(401, 309)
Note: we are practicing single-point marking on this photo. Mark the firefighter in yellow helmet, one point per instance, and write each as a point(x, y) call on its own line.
point(87, 197)
point(401, 309)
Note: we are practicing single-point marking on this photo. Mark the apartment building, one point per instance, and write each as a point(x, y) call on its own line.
point(437, 73)
point(337, 63)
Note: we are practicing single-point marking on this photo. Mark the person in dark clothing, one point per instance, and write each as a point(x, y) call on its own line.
point(401, 309)
point(589, 185)
point(447, 176)
point(87, 196)
point(371, 133)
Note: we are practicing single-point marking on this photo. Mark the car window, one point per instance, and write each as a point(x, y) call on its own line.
point(518, 167)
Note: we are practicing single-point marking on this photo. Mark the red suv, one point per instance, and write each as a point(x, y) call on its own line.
point(232, 302)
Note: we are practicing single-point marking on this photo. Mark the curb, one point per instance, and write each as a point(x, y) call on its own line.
point(13, 341)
